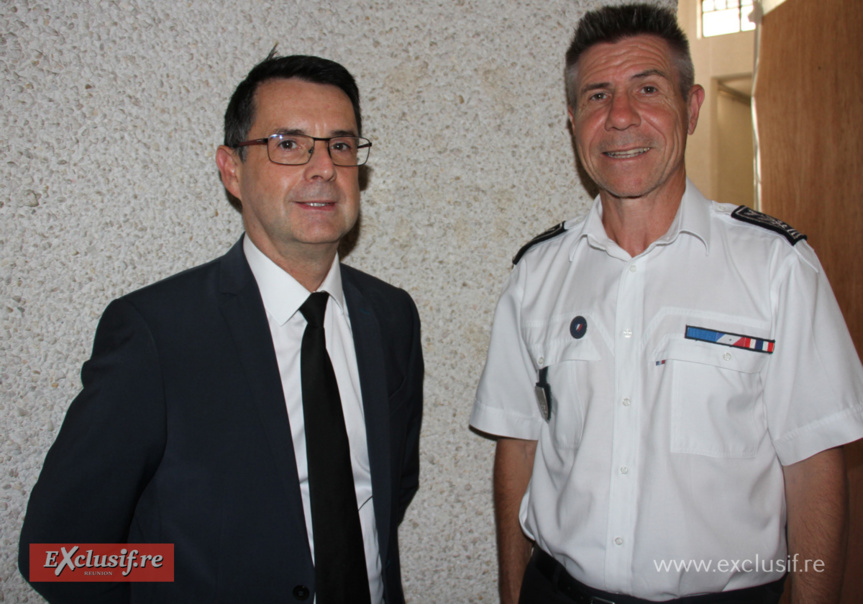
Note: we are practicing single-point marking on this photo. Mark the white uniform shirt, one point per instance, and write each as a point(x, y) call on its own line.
point(282, 296)
point(662, 448)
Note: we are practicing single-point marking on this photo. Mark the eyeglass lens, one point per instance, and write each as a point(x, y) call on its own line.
point(296, 149)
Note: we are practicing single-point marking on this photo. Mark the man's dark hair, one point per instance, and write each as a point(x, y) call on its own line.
point(240, 113)
point(611, 24)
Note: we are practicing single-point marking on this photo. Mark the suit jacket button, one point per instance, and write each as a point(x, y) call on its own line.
point(301, 592)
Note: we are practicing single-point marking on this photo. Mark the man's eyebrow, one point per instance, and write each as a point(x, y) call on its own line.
point(638, 76)
point(649, 72)
point(595, 86)
point(300, 131)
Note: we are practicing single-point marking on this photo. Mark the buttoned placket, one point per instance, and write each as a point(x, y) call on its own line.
point(625, 447)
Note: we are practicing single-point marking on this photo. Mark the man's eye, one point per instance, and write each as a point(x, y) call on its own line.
point(650, 89)
point(288, 144)
point(597, 96)
point(342, 145)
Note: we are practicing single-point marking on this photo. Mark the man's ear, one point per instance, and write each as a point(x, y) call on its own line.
point(696, 98)
point(230, 169)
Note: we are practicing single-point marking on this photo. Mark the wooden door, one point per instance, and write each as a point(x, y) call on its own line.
point(809, 112)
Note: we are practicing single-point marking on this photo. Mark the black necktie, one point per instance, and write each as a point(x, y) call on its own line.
point(340, 563)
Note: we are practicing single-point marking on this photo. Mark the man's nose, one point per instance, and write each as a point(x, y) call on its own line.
point(320, 163)
point(622, 113)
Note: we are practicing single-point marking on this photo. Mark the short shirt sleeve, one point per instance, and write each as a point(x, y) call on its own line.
point(814, 381)
point(505, 402)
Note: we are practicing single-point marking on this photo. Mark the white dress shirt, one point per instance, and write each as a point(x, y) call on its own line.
point(282, 296)
point(662, 447)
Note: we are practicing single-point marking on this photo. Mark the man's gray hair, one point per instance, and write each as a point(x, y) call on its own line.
point(613, 23)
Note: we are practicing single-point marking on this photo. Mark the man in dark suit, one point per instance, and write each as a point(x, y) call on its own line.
point(192, 427)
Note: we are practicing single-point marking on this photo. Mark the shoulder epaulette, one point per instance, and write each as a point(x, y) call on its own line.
point(751, 216)
point(544, 236)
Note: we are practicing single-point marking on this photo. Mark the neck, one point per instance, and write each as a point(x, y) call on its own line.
point(635, 223)
point(309, 275)
point(309, 264)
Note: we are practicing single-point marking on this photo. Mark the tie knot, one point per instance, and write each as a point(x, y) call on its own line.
point(314, 307)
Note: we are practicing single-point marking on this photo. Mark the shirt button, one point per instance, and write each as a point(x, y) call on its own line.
point(632, 268)
point(541, 360)
point(624, 470)
point(301, 592)
point(618, 541)
point(626, 402)
point(627, 333)
point(727, 356)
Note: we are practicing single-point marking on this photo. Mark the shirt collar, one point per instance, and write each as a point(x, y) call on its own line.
point(281, 293)
point(692, 218)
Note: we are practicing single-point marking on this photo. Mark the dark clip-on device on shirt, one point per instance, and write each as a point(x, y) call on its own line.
point(543, 394)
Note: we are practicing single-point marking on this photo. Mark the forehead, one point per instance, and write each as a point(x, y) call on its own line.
point(297, 104)
point(607, 62)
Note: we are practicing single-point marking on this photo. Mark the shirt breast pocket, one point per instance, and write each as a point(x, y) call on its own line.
point(715, 399)
point(569, 363)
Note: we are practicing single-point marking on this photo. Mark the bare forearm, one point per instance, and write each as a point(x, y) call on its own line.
point(817, 500)
point(513, 465)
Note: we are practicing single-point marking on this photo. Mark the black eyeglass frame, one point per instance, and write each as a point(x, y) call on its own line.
point(363, 143)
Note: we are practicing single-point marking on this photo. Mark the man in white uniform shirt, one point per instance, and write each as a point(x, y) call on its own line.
point(670, 379)
point(278, 459)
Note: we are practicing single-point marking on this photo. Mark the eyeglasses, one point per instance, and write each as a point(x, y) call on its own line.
point(297, 149)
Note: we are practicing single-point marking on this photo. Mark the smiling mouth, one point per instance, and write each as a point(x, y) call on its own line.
point(317, 204)
point(626, 154)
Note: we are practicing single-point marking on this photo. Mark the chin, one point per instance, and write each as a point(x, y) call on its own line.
point(624, 191)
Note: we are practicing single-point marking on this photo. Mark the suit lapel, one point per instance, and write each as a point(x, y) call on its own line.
point(246, 319)
point(369, 349)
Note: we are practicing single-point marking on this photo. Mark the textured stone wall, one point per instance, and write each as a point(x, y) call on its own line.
point(111, 111)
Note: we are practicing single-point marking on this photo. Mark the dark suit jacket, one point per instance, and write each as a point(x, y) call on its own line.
point(180, 435)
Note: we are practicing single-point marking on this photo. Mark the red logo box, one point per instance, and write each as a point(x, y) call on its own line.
point(102, 562)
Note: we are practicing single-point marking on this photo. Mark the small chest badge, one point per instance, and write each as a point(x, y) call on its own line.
point(578, 327)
